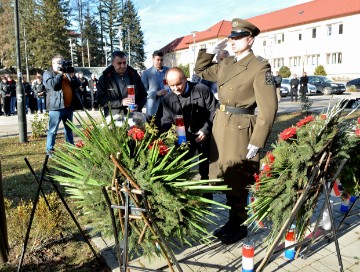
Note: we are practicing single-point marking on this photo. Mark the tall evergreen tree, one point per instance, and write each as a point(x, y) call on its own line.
point(110, 18)
point(133, 37)
point(7, 34)
point(93, 41)
point(54, 32)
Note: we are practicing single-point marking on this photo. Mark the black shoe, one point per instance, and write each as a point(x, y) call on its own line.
point(208, 196)
point(221, 231)
point(234, 235)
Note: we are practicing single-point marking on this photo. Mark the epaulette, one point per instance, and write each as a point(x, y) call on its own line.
point(261, 59)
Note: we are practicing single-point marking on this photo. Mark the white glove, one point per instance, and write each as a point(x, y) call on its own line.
point(220, 46)
point(253, 150)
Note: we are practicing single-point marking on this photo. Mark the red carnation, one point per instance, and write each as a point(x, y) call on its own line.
point(359, 120)
point(270, 157)
point(267, 170)
point(357, 131)
point(257, 181)
point(323, 116)
point(136, 134)
point(305, 120)
point(79, 144)
point(163, 149)
point(287, 133)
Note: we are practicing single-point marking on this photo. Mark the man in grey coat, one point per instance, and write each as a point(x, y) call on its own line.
point(154, 83)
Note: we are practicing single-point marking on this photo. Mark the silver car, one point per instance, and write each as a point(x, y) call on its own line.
point(286, 84)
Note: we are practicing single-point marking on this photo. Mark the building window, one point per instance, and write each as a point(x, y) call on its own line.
point(283, 37)
point(278, 62)
point(329, 28)
point(212, 44)
point(295, 61)
point(203, 46)
point(264, 42)
point(340, 28)
point(300, 36)
point(334, 58)
point(312, 60)
point(314, 33)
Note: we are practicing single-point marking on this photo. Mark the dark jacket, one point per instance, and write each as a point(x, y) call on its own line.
point(294, 82)
point(304, 80)
point(11, 88)
point(110, 94)
point(54, 94)
point(197, 107)
point(39, 89)
point(28, 90)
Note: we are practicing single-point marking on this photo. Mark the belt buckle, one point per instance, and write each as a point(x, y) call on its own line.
point(222, 107)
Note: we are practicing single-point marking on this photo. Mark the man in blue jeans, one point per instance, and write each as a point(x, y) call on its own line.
point(62, 99)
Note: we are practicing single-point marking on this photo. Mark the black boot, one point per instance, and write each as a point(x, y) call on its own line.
point(234, 235)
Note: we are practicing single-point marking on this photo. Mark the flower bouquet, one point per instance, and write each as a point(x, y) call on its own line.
point(288, 167)
point(155, 162)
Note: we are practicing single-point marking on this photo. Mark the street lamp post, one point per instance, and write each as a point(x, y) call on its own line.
point(71, 52)
point(20, 94)
point(26, 58)
point(129, 45)
point(194, 40)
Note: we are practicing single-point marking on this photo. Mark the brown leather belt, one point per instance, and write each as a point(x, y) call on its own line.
point(236, 110)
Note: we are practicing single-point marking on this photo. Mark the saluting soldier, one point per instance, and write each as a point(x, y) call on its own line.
point(244, 83)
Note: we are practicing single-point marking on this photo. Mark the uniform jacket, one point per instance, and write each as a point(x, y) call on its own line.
point(152, 85)
point(247, 83)
point(54, 94)
point(199, 114)
point(109, 92)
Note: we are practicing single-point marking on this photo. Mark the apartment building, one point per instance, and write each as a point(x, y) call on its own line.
point(301, 37)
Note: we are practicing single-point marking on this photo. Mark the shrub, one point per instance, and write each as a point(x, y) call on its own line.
point(352, 88)
point(320, 71)
point(284, 71)
point(186, 69)
point(39, 125)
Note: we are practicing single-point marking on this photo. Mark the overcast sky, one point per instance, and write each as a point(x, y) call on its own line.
point(162, 21)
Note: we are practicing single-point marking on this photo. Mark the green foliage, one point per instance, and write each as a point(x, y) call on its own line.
point(284, 71)
point(153, 162)
point(39, 125)
point(306, 104)
point(135, 47)
point(186, 69)
point(289, 165)
point(320, 71)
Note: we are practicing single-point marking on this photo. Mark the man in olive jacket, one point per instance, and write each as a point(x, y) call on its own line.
point(245, 82)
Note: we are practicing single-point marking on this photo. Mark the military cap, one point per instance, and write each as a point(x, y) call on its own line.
point(243, 28)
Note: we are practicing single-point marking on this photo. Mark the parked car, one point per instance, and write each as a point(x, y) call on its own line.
point(285, 83)
point(325, 85)
point(284, 91)
point(355, 82)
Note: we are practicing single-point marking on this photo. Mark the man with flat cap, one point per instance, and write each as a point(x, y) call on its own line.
point(244, 83)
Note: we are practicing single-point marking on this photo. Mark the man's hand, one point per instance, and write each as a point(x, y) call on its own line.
point(161, 93)
point(220, 46)
point(126, 101)
point(200, 136)
point(253, 150)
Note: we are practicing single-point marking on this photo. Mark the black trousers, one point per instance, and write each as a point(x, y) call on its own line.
point(294, 94)
point(202, 148)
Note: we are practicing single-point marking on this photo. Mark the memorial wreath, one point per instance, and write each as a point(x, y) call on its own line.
point(154, 161)
point(287, 169)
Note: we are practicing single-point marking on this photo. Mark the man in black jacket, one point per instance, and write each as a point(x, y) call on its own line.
point(196, 104)
point(112, 91)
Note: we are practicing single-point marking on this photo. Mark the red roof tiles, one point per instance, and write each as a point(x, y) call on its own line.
point(317, 10)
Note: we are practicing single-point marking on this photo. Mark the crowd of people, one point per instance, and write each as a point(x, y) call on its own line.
point(217, 109)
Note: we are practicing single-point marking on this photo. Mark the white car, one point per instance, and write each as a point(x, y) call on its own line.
point(286, 84)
